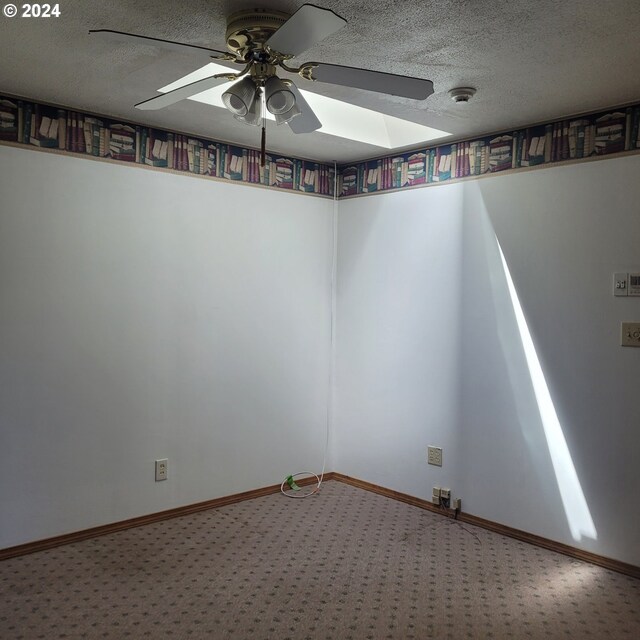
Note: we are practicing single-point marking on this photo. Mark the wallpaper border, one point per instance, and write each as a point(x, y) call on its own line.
point(45, 127)
point(597, 135)
point(607, 133)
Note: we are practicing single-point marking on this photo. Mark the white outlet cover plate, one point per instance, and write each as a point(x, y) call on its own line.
point(434, 456)
point(161, 469)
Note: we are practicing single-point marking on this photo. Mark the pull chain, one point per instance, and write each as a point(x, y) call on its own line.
point(264, 132)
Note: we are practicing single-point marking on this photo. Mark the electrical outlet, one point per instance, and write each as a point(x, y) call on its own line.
point(161, 469)
point(434, 456)
point(435, 496)
point(457, 504)
point(445, 493)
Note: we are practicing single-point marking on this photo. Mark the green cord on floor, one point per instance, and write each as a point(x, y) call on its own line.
point(292, 483)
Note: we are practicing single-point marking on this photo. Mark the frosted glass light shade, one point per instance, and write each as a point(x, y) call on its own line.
point(240, 97)
point(254, 115)
point(283, 118)
point(278, 96)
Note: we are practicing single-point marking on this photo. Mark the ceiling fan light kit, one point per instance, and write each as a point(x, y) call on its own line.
point(263, 40)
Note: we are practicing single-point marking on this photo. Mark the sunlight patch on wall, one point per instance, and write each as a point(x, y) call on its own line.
point(573, 500)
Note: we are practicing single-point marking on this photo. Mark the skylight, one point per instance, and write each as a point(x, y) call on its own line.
point(338, 118)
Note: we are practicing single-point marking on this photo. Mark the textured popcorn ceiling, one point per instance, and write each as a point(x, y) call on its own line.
point(529, 60)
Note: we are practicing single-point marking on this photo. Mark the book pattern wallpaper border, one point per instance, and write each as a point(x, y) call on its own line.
point(39, 125)
point(74, 132)
point(599, 134)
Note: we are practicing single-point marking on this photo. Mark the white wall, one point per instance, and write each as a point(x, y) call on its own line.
point(429, 350)
point(147, 315)
point(398, 306)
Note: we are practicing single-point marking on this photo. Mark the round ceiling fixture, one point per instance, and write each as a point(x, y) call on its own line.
point(462, 94)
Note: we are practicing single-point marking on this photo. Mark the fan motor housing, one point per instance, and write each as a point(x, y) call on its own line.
point(248, 30)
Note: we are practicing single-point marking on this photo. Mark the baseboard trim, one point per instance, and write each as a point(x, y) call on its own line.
point(545, 543)
point(94, 532)
point(539, 541)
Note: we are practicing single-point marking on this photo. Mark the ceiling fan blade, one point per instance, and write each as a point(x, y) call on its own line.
point(390, 83)
point(181, 93)
point(306, 121)
point(308, 25)
point(132, 38)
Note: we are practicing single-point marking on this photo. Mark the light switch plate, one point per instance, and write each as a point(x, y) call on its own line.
point(630, 334)
point(620, 284)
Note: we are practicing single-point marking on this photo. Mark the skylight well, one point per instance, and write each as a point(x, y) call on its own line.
point(338, 118)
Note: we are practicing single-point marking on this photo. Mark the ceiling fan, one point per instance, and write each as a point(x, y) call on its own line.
point(263, 40)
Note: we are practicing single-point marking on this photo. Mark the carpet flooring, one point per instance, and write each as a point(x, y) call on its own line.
point(345, 564)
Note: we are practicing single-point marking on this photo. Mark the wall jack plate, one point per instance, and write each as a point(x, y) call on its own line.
point(630, 334)
point(161, 469)
point(434, 456)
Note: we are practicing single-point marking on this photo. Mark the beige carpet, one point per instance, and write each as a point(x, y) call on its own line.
point(344, 564)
